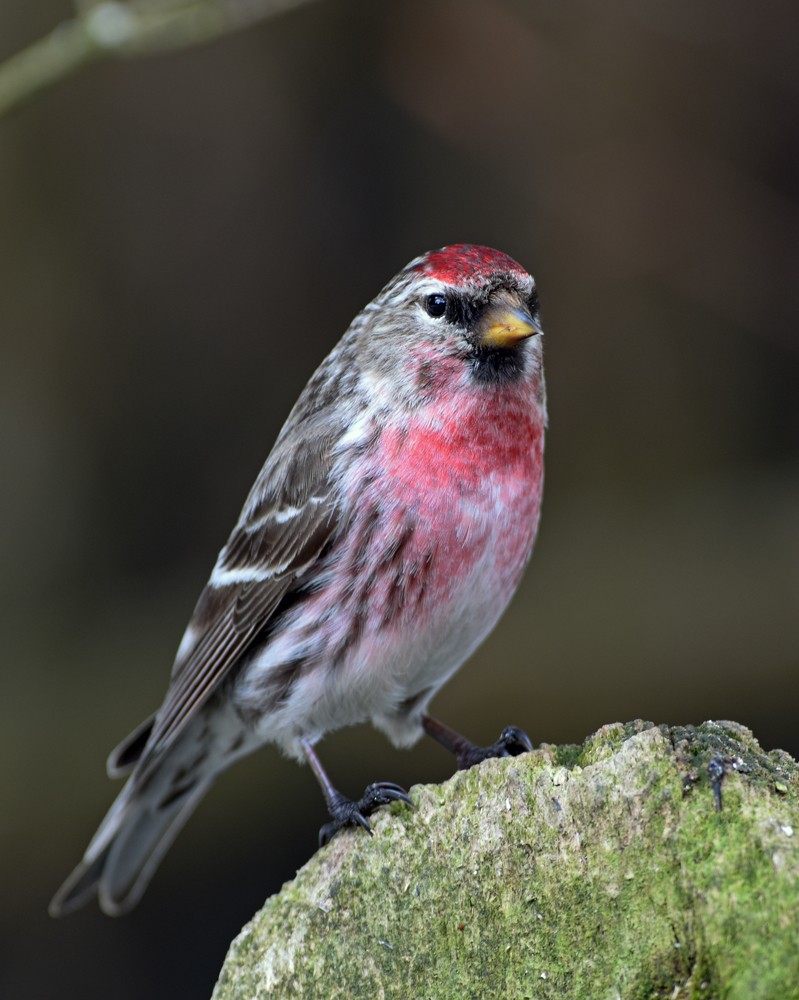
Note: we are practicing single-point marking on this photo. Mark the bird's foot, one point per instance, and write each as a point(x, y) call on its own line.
point(345, 812)
point(512, 741)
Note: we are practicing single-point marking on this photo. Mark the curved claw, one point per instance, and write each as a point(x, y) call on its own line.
point(383, 792)
point(515, 741)
point(354, 818)
point(345, 812)
point(512, 742)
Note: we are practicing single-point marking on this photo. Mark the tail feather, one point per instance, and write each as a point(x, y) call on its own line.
point(136, 852)
point(132, 839)
point(124, 758)
point(148, 813)
point(79, 887)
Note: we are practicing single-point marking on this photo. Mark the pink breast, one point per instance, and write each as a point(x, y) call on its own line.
point(449, 492)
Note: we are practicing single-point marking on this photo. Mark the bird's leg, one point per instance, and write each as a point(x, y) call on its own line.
point(343, 811)
point(511, 743)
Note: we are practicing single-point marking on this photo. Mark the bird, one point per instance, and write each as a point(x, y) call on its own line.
point(380, 544)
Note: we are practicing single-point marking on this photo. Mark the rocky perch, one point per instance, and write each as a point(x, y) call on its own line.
point(600, 871)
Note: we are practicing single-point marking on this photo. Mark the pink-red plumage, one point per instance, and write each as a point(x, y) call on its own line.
point(464, 469)
point(466, 262)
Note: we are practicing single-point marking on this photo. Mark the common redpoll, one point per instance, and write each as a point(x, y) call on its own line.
point(381, 542)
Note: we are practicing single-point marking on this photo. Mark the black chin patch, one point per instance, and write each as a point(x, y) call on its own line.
point(498, 365)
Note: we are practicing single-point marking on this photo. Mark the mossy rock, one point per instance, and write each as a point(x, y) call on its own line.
point(601, 871)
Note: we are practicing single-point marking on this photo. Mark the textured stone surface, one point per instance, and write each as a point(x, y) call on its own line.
point(601, 871)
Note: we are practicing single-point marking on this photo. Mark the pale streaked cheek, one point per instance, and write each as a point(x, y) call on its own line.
point(435, 371)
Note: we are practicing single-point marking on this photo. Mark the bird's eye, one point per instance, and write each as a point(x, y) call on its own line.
point(435, 305)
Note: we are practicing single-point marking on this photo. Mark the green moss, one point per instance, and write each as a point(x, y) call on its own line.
point(594, 871)
point(570, 755)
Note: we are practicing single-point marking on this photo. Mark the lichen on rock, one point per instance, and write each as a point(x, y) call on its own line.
point(600, 871)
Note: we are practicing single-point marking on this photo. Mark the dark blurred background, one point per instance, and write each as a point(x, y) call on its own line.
point(184, 237)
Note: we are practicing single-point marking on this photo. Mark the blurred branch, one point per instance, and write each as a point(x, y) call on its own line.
point(135, 28)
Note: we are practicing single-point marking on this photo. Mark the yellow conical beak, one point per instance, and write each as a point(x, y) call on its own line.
point(505, 325)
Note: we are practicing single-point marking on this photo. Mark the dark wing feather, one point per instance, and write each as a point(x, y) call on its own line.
point(288, 519)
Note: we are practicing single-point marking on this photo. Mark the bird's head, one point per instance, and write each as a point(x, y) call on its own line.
point(455, 317)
